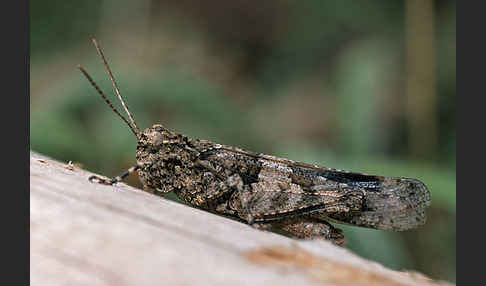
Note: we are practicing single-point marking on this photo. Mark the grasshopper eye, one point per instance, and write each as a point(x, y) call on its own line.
point(156, 138)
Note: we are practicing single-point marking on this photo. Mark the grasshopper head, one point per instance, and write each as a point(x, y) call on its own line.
point(163, 155)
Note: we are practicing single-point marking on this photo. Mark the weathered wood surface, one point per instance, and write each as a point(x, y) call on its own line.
point(89, 234)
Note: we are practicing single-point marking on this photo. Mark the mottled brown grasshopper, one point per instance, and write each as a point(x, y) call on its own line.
point(265, 191)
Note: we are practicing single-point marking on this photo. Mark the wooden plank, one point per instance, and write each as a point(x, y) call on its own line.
point(90, 234)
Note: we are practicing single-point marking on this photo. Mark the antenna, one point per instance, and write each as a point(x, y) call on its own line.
point(117, 90)
point(137, 134)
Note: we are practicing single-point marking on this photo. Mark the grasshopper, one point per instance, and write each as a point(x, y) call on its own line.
point(265, 191)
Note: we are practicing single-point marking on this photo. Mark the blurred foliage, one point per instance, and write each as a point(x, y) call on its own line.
point(315, 81)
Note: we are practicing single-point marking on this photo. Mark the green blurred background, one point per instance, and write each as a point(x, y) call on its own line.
point(368, 86)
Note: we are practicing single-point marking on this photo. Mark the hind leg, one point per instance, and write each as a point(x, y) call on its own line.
point(306, 228)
